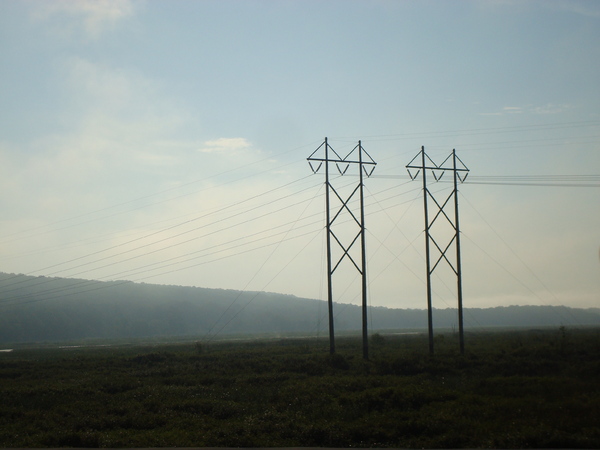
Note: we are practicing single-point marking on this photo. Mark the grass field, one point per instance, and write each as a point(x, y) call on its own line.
point(517, 389)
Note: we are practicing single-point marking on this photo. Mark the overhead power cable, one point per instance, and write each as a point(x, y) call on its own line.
point(45, 281)
point(471, 132)
point(258, 271)
point(155, 194)
point(146, 236)
point(62, 290)
point(516, 255)
point(589, 181)
point(585, 181)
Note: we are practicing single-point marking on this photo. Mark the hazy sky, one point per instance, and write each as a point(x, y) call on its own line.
point(166, 142)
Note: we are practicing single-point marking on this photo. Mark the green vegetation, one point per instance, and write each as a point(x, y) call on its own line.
point(518, 389)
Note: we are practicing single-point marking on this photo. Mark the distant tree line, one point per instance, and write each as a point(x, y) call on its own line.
point(122, 310)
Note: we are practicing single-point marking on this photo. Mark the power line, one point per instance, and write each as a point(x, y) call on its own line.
point(257, 272)
point(584, 181)
point(155, 194)
point(107, 284)
point(515, 254)
point(588, 181)
point(168, 229)
point(474, 131)
point(37, 282)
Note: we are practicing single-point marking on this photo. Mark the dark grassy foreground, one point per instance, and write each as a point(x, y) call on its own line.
point(511, 390)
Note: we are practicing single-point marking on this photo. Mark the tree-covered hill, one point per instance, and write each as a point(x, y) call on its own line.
point(41, 309)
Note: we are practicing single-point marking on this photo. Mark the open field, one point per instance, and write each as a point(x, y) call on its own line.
point(512, 389)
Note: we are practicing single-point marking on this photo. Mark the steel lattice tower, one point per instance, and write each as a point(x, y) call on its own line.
point(457, 167)
point(325, 155)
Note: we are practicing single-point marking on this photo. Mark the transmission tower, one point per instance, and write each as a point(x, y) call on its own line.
point(325, 155)
point(422, 163)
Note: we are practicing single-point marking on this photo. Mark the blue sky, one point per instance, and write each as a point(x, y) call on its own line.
point(139, 134)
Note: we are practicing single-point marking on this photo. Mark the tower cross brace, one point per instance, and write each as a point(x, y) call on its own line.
point(459, 172)
point(359, 158)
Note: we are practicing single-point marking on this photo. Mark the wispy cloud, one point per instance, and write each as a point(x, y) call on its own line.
point(512, 110)
point(225, 145)
point(106, 86)
point(90, 17)
point(549, 108)
point(118, 122)
point(505, 110)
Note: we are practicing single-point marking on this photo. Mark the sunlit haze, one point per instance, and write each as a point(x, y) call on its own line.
point(166, 142)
